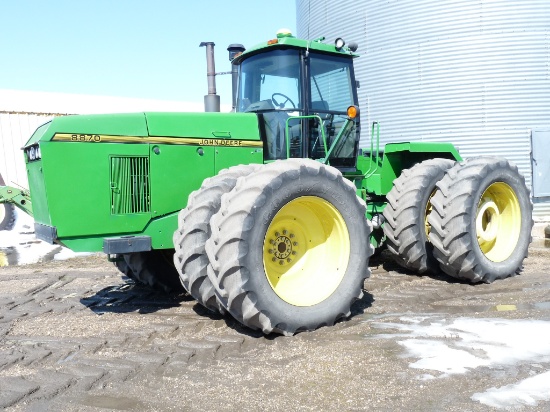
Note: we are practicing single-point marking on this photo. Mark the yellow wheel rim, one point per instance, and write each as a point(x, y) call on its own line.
point(427, 212)
point(498, 222)
point(306, 251)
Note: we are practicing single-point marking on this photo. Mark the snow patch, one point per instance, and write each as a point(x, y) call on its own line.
point(465, 343)
point(461, 345)
point(28, 249)
point(527, 392)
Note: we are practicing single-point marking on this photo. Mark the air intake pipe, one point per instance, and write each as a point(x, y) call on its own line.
point(234, 51)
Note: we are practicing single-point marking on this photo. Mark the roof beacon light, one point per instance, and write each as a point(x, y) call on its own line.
point(284, 33)
point(339, 43)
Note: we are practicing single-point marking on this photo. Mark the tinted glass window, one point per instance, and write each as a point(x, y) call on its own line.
point(270, 81)
point(330, 83)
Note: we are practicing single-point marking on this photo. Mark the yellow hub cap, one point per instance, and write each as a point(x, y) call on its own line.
point(306, 251)
point(498, 222)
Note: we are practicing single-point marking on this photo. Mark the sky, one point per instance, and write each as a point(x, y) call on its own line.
point(130, 48)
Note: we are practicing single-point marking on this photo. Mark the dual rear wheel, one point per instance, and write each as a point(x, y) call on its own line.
point(282, 247)
point(471, 220)
point(287, 246)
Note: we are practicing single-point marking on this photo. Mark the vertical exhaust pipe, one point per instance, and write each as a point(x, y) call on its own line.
point(211, 100)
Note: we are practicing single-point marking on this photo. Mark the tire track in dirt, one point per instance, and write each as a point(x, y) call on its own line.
point(74, 334)
point(64, 333)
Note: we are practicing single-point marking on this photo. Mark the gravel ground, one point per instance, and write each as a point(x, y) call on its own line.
point(76, 336)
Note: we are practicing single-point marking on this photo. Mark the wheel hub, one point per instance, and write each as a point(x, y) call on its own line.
point(283, 247)
point(487, 221)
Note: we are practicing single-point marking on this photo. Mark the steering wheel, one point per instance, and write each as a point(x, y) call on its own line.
point(282, 105)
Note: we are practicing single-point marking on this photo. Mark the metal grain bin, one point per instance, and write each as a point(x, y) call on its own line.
point(474, 73)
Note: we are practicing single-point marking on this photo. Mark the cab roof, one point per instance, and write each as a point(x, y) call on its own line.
point(285, 39)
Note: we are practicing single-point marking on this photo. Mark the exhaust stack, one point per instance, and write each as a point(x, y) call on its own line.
point(211, 100)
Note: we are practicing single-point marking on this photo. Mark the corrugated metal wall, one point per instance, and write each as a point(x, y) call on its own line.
point(15, 130)
point(475, 73)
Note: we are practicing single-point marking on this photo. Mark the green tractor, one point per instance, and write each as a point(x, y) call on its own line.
point(271, 213)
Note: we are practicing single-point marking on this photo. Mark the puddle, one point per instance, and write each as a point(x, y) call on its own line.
point(491, 308)
point(540, 243)
point(539, 306)
point(537, 286)
point(111, 402)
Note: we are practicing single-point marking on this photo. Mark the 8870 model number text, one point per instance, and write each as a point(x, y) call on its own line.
point(85, 138)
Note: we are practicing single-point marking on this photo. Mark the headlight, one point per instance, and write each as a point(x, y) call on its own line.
point(339, 43)
point(33, 153)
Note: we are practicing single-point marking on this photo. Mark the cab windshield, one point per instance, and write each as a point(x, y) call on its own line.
point(270, 81)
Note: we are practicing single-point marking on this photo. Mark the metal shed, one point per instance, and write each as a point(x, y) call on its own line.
point(471, 72)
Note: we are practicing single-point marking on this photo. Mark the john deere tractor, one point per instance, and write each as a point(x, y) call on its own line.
point(270, 213)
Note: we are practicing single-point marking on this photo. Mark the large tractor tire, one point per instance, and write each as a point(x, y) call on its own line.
point(121, 264)
point(481, 220)
point(154, 269)
point(406, 215)
point(7, 213)
point(194, 230)
point(289, 248)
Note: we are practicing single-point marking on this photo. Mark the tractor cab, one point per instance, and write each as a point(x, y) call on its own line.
point(301, 90)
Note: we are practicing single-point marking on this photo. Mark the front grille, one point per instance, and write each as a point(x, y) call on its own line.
point(130, 185)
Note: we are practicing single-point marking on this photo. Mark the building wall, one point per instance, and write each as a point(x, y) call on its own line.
point(15, 130)
point(471, 72)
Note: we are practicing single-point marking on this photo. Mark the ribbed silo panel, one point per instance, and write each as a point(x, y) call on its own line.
point(542, 210)
point(474, 73)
